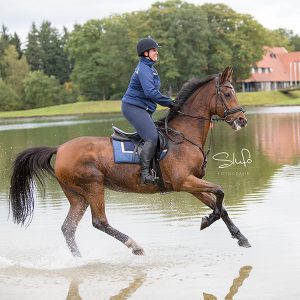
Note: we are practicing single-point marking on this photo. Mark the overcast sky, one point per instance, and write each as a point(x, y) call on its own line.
point(18, 15)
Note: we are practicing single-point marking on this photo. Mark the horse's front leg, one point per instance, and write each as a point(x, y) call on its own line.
point(210, 201)
point(194, 186)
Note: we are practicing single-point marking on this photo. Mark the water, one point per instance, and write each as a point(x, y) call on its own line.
point(262, 191)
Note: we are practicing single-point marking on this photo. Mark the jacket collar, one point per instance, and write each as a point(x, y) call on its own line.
point(147, 61)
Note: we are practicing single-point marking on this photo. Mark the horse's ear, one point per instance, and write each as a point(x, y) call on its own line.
point(226, 75)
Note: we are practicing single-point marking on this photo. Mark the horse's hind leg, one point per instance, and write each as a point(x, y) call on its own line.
point(95, 197)
point(77, 209)
point(210, 200)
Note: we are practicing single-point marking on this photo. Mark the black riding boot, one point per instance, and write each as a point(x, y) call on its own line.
point(147, 155)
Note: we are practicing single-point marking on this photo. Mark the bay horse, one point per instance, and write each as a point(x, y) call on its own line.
point(85, 165)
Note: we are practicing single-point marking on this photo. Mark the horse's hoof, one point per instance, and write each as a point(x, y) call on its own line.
point(244, 243)
point(136, 249)
point(138, 252)
point(204, 223)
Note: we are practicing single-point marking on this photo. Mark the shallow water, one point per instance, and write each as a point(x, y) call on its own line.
point(262, 195)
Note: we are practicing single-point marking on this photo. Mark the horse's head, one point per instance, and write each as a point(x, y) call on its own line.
point(226, 104)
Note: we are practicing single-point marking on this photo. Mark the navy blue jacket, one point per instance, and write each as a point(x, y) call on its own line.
point(143, 89)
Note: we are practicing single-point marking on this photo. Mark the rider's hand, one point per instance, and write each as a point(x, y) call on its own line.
point(172, 105)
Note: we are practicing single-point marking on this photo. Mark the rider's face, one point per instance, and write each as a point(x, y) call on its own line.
point(153, 54)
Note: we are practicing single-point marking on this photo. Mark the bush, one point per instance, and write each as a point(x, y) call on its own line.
point(116, 96)
point(42, 90)
point(9, 100)
point(70, 92)
point(82, 98)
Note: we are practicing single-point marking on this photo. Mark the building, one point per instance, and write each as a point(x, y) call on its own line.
point(277, 70)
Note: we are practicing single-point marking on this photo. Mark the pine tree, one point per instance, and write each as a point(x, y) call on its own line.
point(45, 51)
point(33, 51)
point(15, 69)
point(15, 40)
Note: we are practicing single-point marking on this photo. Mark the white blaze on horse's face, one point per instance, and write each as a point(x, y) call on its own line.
point(235, 125)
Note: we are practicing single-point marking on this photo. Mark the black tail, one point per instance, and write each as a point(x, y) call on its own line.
point(29, 165)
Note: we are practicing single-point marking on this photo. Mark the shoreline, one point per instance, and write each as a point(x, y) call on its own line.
point(45, 116)
point(247, 100)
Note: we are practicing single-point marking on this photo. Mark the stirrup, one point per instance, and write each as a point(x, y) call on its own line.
point(149, 178)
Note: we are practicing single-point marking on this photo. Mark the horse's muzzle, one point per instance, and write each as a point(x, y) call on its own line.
point(239, 123)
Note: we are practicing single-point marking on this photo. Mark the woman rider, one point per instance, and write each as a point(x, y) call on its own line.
point(140, 101)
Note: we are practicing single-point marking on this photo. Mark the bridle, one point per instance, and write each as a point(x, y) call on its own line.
point(227, 113)
point(220, 96)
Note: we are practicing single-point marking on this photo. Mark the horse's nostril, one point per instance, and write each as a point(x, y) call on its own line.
point(242, 121)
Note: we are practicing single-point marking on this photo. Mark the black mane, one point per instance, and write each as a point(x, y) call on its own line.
point(185, 93)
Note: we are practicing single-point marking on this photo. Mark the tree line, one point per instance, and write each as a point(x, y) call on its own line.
point(95, 60)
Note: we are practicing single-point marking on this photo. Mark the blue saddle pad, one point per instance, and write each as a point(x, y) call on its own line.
point(124, 152)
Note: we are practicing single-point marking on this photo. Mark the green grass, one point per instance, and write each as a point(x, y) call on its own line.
point(275, 98)
point(90, 107)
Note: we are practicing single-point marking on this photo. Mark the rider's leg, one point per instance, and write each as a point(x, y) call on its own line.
point(143, 123)
point(147, 155)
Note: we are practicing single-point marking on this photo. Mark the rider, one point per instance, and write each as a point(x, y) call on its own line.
point(140, 101)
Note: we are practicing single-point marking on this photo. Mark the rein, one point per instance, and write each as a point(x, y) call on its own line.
point(169, 129)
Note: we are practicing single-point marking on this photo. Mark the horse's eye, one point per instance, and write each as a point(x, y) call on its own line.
point(227, 95)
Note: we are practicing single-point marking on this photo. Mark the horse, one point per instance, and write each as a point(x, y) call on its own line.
point(84, 166)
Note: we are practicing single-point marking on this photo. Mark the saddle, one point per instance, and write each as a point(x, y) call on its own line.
point(120, 135)
point(130, 144)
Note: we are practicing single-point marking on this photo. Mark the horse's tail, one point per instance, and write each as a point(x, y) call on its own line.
point(30, 164)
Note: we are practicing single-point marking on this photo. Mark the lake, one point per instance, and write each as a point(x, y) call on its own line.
point(259, 170)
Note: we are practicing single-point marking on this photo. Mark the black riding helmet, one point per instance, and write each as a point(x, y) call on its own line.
point(145, 44)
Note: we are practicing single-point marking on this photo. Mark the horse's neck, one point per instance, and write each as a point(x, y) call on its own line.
point(195, 129)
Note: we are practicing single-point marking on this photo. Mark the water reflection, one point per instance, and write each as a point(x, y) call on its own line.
point(128, 291)
point(236, 284)
point(277, 136)
point(73, 293)
point(138, 281)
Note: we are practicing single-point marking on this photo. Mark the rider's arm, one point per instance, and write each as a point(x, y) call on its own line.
point(146, 78)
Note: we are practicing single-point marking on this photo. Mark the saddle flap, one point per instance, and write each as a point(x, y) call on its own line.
point(121, 135)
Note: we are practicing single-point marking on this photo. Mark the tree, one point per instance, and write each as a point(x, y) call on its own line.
point(279, 38)
point(15, 40)
point(15, 69)
point(9, 100)
point(4, 42)
point(33, 51)
point(45, 51)
point(41, 90)
point(285, 38)
point(236, 40)
point(182, 29)
point(294, 42)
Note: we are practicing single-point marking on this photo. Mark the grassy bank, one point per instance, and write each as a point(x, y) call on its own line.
point(92, 107)
point(89, 107)
point(275, 98)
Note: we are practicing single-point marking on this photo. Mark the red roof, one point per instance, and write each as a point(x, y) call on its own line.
point(277, 60)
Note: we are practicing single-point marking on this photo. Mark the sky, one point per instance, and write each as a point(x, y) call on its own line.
point(18, 15)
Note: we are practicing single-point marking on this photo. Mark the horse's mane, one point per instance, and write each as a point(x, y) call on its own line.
point(184, 94)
